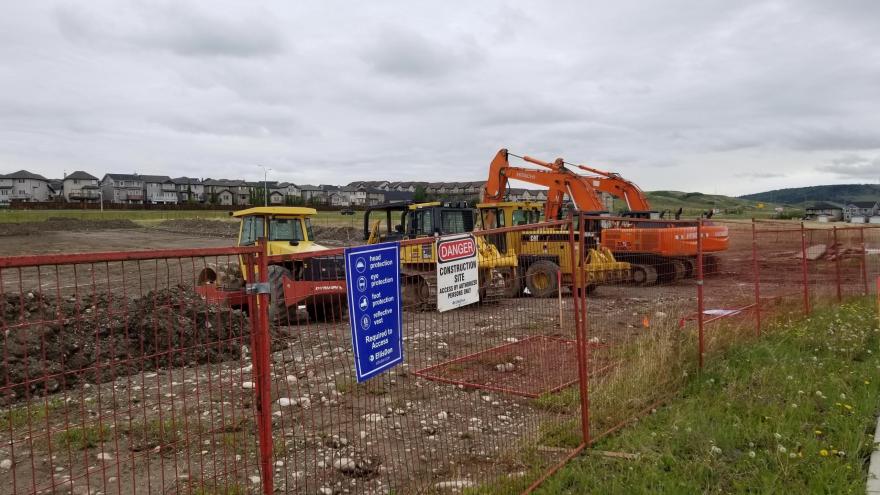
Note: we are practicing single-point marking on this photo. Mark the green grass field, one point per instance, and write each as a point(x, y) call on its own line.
point(793, 412)
point(22, 216)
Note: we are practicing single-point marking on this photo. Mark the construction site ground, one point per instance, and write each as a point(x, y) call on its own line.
point(386, 420)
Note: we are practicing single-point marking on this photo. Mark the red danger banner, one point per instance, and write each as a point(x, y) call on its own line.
point(456, 249)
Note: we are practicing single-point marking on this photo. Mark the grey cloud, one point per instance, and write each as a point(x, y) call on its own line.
point(854, 167)
point(405, 53)
point(760, 175)
point(843, 137)
point(175, 27)
point(681, 95)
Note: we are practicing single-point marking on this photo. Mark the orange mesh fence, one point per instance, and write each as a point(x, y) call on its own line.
point(233, 371)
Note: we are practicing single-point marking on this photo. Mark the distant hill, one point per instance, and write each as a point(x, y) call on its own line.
point(838, 193)
point(694, 202)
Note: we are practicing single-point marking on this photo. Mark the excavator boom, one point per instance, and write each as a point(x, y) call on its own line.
point(558, 180)
point(652, 247)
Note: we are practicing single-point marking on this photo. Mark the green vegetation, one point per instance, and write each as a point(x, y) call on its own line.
point(837, 193)
point(791, 412)
point(694, 203)
point(21, 216)
point(81, 438)
point(324, 218)
point(19, 417)
point(156, 432)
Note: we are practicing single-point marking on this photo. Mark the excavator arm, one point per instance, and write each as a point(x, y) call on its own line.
point(558, 180)
point(615, 185)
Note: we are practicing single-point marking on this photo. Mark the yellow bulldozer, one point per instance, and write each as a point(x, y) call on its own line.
point(545, 253)
point(408, 220)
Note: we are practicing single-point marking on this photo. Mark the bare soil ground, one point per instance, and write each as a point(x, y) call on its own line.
point(186, 420)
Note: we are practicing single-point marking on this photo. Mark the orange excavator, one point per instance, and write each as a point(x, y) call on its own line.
point(657, 249)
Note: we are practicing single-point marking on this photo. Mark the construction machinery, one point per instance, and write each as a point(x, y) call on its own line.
point(544, 254)
point(401, 221)
point(656, 248)
point(316, 282)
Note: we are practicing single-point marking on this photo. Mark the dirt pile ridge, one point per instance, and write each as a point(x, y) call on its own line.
point(52, 345)
point(199, 227)
point(63, 224)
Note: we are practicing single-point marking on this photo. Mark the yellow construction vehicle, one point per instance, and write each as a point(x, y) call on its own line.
point(317, 282)
point(545, 253)
point(407, 220)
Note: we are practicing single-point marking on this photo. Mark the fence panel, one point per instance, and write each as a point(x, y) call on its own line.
point(117, 377)
point(486, 395)
point(641, 333)
point(143, 373)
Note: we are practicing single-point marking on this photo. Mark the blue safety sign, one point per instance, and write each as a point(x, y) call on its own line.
point(372, 275)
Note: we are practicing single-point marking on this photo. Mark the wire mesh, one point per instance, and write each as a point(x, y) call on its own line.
point(158, 372)
point(117, 377)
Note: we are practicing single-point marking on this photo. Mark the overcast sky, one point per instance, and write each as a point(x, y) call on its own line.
point(715, 96)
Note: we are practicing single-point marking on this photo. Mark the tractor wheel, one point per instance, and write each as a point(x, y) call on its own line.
point(277, 306)
point(541, 278)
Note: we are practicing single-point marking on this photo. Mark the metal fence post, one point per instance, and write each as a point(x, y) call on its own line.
point(700, 290)
point(578, 284)
point(262, 379)
point(757, 274)
point(806, 280)
point(839, 250)
point(864, 259)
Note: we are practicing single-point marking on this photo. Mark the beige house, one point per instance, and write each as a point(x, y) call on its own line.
point(123, 188)
point(23, 186)
point(81, 187)
point(189, 190)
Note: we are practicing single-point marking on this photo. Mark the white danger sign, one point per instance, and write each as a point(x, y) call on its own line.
point(458, 276)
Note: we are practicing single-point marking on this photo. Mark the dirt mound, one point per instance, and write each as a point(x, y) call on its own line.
point(53, 345)
point(66, 224)
point(207, 228)
point(332, 235)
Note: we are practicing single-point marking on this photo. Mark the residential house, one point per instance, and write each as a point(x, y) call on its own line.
point(397, 196)
point(474, 188)
point(859, 211)
point(123, 188)
point(824, 212)
point(309, 193)
point(23, 186)
point(189, 190)
point(56, 189)
point(290, 190)
point(81, 187)
point(159, 190)
point(374, 184)
point(339, 198)
point(405, 186)
point(227, 192)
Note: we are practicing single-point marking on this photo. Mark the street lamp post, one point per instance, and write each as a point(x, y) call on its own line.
point(265, 184)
